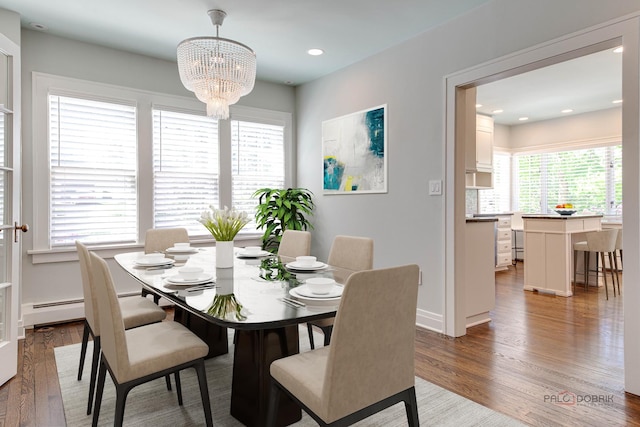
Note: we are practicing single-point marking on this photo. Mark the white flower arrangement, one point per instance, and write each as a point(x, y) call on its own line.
point(225, 223)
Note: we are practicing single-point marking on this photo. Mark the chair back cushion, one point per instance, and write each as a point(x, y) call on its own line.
point(294, 243)
point(90, 298)
point(371, 356)
point(112, 339)
point(159, 239)
point(602, 241)
point(350, 254)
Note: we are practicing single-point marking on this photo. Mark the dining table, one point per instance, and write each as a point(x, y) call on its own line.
point(265, 327)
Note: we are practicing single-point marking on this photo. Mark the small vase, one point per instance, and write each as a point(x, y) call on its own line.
point(224, 254)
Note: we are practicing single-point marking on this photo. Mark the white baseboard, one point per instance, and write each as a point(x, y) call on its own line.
point(430, 321)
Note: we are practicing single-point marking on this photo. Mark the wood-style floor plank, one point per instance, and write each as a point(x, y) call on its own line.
point(535, 347)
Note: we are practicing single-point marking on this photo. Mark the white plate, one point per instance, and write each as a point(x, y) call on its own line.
point(315, 266)
point(305, 291)
point(148, 263)
point(294, 293)
point(174, 250)
point(254, 254)
point(179, 280)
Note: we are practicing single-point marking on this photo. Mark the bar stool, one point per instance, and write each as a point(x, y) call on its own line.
point(615, 257)
point(517, 226)
point(601, 242)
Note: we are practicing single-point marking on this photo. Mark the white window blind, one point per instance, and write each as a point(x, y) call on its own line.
point(590, 179)
point(498, 198)
point(186, 169)
point(257, 162)
point(92, 171)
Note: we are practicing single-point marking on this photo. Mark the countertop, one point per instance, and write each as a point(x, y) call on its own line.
point(482, 215)
point(558, 216)
point(482, 219)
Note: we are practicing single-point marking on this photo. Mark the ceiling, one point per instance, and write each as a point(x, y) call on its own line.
point(281, 31)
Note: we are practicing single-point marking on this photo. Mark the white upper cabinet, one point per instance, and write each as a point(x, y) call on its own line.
point(484, 144)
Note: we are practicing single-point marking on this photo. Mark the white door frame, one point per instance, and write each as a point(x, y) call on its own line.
point(623, 30)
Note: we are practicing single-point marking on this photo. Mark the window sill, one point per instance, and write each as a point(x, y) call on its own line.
point(67, 254)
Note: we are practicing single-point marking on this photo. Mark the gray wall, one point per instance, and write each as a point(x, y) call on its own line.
point(406, 223)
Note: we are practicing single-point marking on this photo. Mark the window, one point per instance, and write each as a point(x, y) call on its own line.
point(185, 169)
point(589, 178)
point(111, 162)
point(93, 171)
point(498, 198)
point(257, 161)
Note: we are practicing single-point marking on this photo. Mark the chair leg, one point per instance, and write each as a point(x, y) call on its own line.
point(168, 380)
point(587, 260)
point(204, 392)
point(411, 406)
point(604, 275)
point(176, 374)
point(83, 348)
point(615, 261)
point(613, 279)
point(122, 390)
point(95, 362)
point(327, 335)
point(99, 389)
point(310, 329)
point(575, 270)
point(274, 400)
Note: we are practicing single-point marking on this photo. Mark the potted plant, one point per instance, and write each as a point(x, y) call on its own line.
point(282, 209)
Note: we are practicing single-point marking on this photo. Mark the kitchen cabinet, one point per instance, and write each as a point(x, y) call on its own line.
point(503, 242)
point(479, 154)
point(548, 243)
point(480, 281)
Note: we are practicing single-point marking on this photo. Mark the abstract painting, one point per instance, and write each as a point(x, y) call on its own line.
point(354, 151)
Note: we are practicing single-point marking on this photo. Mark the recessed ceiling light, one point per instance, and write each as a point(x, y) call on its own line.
point(567, 110)
point(288, 82)
point(618, 49)
point(497, 111)
point(618, 101)
point(39, 27)
point(315, 52)
point(522, 119)
point(478, 105)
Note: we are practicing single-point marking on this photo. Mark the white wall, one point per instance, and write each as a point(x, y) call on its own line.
point(603, 125)
point(406, 223)
point(52, 282)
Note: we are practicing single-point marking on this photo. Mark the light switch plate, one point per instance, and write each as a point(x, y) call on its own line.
point(435, 187)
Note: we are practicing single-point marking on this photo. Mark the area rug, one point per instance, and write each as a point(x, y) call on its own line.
point(152, 404)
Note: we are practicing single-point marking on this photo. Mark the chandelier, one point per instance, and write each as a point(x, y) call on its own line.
point(219, 71)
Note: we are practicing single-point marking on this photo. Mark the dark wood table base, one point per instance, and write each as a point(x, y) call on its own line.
point(254, 352)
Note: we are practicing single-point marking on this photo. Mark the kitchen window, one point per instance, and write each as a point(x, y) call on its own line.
point(114, 162)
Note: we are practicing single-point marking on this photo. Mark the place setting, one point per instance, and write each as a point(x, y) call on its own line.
point(188, 279)
point(318, 289)
point(154, 261)
point(253, 252)
point(306, 264)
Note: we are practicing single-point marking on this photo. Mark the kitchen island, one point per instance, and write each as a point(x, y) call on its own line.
point(548, 243)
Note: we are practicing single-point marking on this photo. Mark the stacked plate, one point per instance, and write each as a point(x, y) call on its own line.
point(306, 267)
point(177, 279)
point(253, 254)
point(303, 292)
point(181, 250)
point(154, 262)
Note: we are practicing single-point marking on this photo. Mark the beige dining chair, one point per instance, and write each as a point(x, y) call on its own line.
point(601, 242)
point(294, 243)
point(139, 355)
point(369, 365)
point(348, 254)
point(136, 311)
point(159, 240)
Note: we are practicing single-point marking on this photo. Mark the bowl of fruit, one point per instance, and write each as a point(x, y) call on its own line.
point(565, 209)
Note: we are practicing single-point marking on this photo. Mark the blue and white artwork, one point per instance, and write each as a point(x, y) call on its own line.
point(354, 152)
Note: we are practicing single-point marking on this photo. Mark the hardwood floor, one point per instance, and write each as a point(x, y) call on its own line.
point(538, 350)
